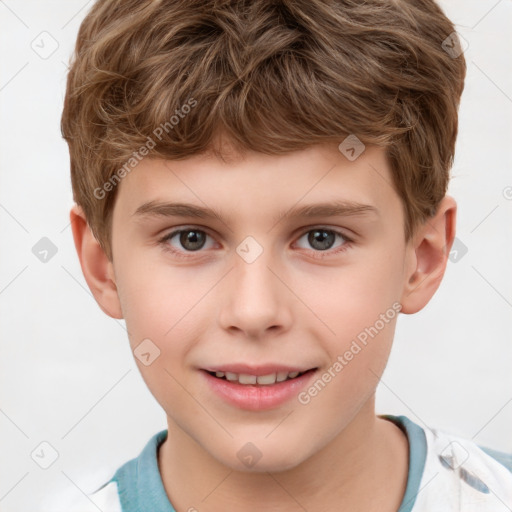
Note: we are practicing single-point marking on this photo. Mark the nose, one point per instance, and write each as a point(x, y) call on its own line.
point(255, 301)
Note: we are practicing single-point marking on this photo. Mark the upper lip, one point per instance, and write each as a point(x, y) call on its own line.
point(265, 369)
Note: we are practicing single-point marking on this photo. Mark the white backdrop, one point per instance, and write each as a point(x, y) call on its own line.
point(67, 376)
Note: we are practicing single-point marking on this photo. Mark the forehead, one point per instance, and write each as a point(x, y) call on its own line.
point(260, 183)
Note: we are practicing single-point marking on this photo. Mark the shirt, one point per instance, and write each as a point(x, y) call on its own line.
point(446, 474)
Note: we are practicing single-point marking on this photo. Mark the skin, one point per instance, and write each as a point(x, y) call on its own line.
point(287, 306)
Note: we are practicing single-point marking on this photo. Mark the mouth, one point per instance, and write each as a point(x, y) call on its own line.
point(261, 388)
point(268, 379)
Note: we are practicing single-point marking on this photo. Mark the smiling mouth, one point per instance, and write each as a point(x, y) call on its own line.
point(258, 380)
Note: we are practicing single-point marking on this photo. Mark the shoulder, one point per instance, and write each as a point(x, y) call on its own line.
point(463, 476)
point(86, 498)
point(106, 498)
point(137, 484)
point(128, 488)
point(503, 458)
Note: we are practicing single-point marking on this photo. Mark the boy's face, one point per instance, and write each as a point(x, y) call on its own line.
point(275, 298)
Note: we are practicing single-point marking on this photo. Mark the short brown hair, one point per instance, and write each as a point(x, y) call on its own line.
point(276, 76)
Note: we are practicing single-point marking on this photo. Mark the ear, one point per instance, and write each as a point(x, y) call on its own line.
point(98, 270)
point(427, 256)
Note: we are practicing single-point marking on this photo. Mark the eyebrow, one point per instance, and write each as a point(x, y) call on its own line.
point(329, 209)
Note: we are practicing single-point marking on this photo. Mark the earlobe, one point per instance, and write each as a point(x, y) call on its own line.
point(429, 253)
point(98, 270)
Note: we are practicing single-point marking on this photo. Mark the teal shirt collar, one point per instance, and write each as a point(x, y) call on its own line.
point(139, 482)
point(141, 489)
point(417, 458)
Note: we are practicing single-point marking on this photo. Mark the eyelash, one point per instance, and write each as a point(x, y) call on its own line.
point(319, 255)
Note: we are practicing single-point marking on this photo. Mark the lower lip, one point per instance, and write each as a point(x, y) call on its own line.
point(258, 397)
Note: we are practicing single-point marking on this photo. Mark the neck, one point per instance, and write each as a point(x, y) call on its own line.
point(364, 467)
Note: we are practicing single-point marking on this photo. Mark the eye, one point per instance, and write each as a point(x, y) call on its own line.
point(190, 239)
point(323, 239)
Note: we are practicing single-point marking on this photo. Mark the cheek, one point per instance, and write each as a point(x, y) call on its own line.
point(166, 306)
point(154, 297)
point(356, 364)
point(360, 305)
point(159, 315)
point(354, 298)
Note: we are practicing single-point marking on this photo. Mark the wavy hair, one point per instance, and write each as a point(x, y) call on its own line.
point(275, 76)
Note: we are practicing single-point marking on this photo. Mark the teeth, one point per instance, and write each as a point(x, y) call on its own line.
point(266, 380)
point(243, 378)
point(281, 376)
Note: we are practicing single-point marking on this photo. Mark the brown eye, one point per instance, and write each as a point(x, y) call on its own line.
point(190, 240)
point(322, 239)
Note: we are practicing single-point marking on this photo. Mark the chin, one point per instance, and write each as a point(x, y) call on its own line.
point(249, 459)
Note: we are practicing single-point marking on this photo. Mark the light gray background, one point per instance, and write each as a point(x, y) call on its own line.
point(67, 376)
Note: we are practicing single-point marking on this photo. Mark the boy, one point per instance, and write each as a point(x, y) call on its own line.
point(211, 144)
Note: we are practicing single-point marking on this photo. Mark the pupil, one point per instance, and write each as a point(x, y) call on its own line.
point(325, 239)
point(192, 240)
